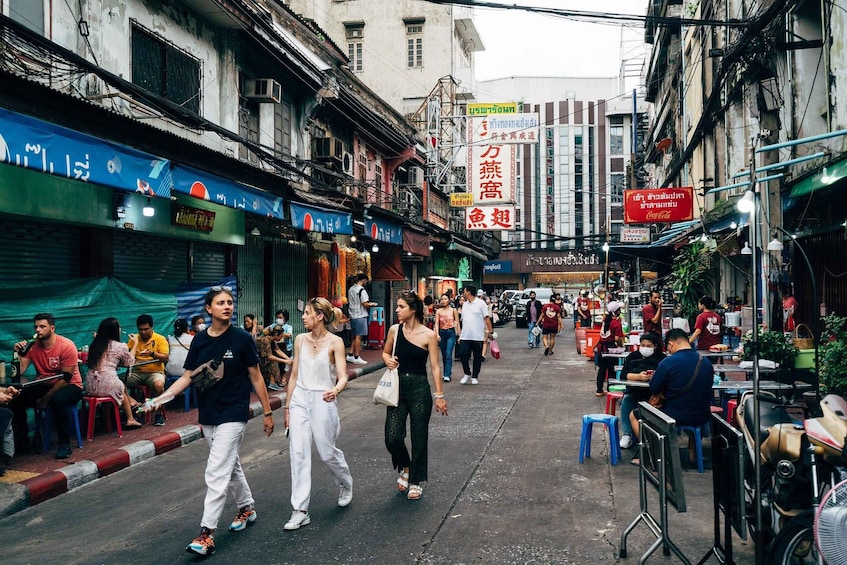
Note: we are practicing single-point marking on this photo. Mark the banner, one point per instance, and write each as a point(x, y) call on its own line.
point(635, 235)
point(657, 205)
point(55, 150)
point(490, 218)
point(491, 173)
point(486, 108)
point(497, 268)
point(312, 218)
point(202, 185)
point(383, 230)
point(505, 128)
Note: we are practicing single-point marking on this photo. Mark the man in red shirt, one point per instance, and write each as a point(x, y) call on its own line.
point(707, 327)
point(51, 354)
point(583, 309)
point(551, 324)
point(652, 314)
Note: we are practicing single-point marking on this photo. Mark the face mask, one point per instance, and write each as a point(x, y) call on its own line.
point(201, 327)
point(280, 321)
point(646, 351)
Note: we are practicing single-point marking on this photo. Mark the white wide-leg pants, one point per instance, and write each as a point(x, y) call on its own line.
point(309, 417)
point(223, 471)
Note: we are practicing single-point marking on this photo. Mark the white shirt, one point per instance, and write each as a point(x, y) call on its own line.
point(355, 300)
point(179, 350)
point(473, 320)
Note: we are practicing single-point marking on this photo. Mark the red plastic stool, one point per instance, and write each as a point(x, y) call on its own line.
point(93, 402)
point(731, 405)
point(612, 401)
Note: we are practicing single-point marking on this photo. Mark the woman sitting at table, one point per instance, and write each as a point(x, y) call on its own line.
point(105, 354)
point(638, 366)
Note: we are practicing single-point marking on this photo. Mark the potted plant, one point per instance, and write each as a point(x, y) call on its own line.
point(691, 278)
point(773, 346)
point(833, 355)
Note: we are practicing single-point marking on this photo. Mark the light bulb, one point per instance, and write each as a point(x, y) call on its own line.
point(746, 249)
point(352, 239)
point(255, 232)
point(375, 248)
point(733, 225)
point(606, 247)
point(148, 209)
point(745, 205)
point(825, 178)
point(775, 245)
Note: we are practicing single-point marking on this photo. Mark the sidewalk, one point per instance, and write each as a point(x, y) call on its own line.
point(34, 478)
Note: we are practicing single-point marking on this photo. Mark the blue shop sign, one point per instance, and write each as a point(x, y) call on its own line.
point(382, 230)
point(312, 218)
point(497, 268)
point(55, 150)
point(196, 183)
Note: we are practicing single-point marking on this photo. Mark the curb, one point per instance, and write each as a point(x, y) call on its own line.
point(48, 485)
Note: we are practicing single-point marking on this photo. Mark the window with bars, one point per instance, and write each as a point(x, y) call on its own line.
point(163, 69)
point(355, 46)
point(414, 46)
point(282, 128)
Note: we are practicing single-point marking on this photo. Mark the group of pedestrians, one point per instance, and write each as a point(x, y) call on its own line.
point(544, 321)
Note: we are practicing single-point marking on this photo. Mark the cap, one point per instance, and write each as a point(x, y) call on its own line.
point(480, 292)
point(613, 306)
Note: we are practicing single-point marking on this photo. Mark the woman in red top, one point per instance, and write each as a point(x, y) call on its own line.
point(707, 327)
point(611, 335)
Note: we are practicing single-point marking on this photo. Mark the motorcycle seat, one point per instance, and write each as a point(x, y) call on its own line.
point(771, 413)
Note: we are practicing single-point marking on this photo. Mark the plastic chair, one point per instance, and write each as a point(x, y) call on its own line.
point(611, 423)
point(169, 380)
point(46, 417)
point(612, 398)
point(93, 402)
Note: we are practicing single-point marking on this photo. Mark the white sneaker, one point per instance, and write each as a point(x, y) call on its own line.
point(297, 519)
point(465, 380)
point(474, 381)
point(359, 361)
point(345, 495)
point(626, 441)
point(350, 358)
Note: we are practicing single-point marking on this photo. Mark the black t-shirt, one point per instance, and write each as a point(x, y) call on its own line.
point(636, 363)
point(229, 400)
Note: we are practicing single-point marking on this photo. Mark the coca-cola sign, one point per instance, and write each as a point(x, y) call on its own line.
point(657, 205)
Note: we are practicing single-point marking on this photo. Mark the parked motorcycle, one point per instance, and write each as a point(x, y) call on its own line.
point(801, 457)
point(505, 311)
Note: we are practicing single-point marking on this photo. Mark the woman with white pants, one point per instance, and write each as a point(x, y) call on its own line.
point(312, 412)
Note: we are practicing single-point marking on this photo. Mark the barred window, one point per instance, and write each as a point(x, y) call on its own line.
point(163, 69)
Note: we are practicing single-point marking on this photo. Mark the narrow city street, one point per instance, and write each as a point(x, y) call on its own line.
point(505, 486)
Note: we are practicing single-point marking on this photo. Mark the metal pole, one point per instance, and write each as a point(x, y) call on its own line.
point(754, 344)
point(801, 141)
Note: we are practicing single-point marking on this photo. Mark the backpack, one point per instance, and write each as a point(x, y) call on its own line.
point(345, 308)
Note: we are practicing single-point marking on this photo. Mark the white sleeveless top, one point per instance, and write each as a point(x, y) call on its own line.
point(315, 372)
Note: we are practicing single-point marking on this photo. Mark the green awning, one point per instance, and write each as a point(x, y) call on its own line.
point(835, 172)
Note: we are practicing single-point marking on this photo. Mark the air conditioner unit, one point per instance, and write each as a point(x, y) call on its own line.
point(347, 163)
point(263, 90)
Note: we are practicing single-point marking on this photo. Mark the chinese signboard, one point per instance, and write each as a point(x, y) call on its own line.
point(486, 108)
point(503, 129)
point(649, 206)
point(491, 173)
point(635, 235)
point(461, 199)
point(490, 218)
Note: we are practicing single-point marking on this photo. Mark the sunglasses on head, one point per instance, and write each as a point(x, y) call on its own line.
point(221, 288)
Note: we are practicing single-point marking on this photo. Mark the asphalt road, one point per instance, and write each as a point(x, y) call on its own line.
point(505, 487)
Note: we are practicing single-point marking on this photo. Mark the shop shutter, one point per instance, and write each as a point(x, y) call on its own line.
point(251, 279)
point(38, 251)
point(208, 262)
point(149, 262)
point(290, 274)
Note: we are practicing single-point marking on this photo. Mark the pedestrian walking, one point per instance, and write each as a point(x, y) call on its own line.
point(312, 411)
point(223, 411)
point(476, 327)
point(551, 324)
point(415, 343)
point(449, 330)
point(533, 312)
point(611, 335)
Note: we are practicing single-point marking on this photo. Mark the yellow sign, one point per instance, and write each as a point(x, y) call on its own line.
point(486, 108)
point(461, 199)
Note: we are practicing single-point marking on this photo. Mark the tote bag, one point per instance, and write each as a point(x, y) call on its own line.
point(388, 388)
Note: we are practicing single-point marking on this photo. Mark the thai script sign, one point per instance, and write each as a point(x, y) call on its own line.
point(504, 128)
point(192, 218)
point(199, 184)
point(497, 268)
point(382, 230)
point(461, 199)
point(312, 218)
point(650, 206)
point(569, 259)
point(486, 108)
point(490, 218)
point(635, 235)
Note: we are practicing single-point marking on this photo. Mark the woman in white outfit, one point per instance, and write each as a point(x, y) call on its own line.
point(312, 411)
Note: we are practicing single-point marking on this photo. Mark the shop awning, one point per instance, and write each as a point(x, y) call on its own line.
point(205, 186)
point(416, 242)
point(386, 265)
point(312, 218)
point(835, 172)
point(453, 246)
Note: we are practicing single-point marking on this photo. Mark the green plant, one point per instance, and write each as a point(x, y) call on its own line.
point(833, 355)
point(690, 277)
point(773, 346)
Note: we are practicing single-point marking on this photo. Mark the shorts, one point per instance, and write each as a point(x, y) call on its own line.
point(359, 326)
point(549, 331)
point(144, 379)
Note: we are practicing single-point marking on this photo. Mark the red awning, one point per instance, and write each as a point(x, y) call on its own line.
point(386, 265)
point(416, 242)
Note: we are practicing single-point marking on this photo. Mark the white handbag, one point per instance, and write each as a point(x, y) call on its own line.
point(536, 330)
point(388, 388)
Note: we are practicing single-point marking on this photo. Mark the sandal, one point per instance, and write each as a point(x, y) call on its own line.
point(403, 481)
point(415, 492)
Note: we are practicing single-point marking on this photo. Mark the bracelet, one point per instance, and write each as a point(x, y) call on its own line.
point(271, 413)
point(439, 396)
point(286, 407)
point(335, 389)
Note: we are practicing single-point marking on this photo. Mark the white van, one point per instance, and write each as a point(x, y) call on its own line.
point(542, 294)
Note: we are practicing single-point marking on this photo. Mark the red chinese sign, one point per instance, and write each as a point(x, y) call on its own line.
point(490, 218)
point(491, 171)
point(658, 205)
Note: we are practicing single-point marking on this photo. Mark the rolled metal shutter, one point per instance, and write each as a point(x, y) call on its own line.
point(38, 251)
point(290, 278)
point(149, 262)
point(251, 278)
point(208, 262)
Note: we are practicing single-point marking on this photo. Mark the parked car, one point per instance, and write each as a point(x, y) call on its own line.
point(541, 294)
point(510, 296)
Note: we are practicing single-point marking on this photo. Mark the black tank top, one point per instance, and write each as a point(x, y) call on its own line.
point(412, 358)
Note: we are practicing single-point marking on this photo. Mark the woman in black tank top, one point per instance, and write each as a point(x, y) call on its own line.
point(415, 344)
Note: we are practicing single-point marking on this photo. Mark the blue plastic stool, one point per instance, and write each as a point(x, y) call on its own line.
point(46, 417)
point(611, 422)
point(698, 440)
point(169, 380)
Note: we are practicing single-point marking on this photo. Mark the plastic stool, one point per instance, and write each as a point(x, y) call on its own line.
point(46, 416)
point(93, 402)
point(731, 406)
point(612, 401)
point(698, 439)
point(611, 422)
